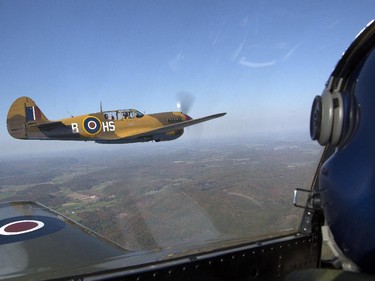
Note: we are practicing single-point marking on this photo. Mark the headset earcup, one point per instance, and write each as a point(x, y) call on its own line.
point(316, 118)
point(350, 115)
point(327, 118)
point(338, 116)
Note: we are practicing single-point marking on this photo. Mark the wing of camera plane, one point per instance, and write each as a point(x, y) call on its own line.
point(38, 243)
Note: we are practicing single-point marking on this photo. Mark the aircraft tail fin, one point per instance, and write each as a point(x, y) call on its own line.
point(23, 113)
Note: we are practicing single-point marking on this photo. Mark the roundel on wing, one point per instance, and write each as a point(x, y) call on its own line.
point(20, 227)
point(17, 229)
point(92, 125)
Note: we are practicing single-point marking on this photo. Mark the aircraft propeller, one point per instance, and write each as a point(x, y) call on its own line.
point(185, 101)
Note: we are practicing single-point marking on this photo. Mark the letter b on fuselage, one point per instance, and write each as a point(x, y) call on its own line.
point(75, 129)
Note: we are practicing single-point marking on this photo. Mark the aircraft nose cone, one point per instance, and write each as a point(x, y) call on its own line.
point(187, 117)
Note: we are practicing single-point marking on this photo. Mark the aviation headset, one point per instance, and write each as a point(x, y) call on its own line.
point(335, 113)
point(342, 118)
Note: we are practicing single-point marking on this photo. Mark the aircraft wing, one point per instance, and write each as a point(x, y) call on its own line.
point(37, 243)
point(183, 124)
point(163, 129)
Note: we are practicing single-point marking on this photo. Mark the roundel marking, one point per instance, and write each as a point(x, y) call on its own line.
point(92, 125)
point(20, 227)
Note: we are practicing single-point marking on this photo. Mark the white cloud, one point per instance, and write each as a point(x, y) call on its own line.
point(291, 51)
point(238, 50)
point(251, 64)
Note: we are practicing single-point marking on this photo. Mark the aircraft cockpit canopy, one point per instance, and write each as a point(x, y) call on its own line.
point(122, 114)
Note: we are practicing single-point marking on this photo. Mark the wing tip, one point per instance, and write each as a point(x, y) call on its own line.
point(217, 115)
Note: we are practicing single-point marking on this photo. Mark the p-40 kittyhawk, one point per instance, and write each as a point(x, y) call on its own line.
point(26, 121)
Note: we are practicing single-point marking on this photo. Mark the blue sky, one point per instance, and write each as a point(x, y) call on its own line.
point(262, 62)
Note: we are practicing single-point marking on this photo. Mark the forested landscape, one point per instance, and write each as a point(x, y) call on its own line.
point(147, 196)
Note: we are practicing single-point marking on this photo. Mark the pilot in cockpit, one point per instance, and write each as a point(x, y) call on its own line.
point(343, 120)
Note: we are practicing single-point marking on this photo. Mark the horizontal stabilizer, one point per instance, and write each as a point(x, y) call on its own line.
point(48, 125)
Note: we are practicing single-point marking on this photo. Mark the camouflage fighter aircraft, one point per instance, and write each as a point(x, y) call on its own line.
point(26, 121)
